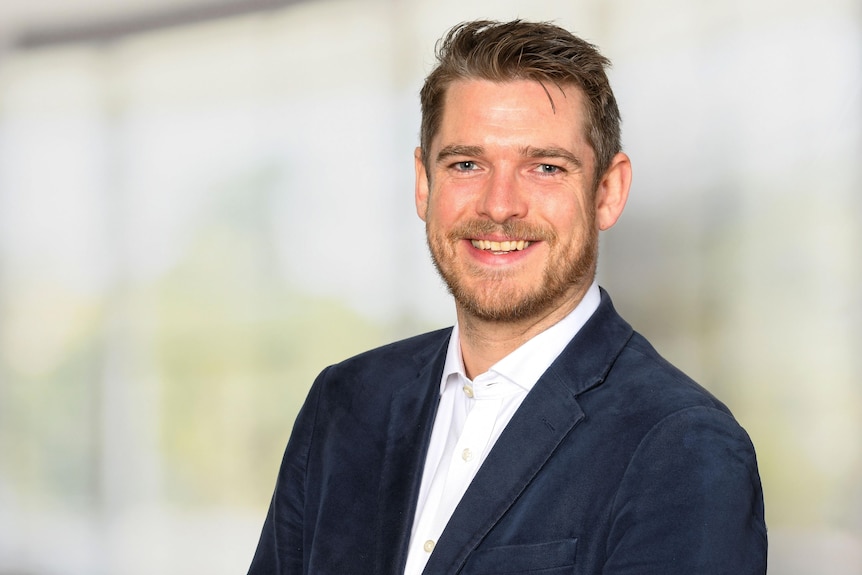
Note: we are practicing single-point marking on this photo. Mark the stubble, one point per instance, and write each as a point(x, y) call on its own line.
point(493, 295)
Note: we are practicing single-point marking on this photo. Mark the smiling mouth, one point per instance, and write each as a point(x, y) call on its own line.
point(501, 247)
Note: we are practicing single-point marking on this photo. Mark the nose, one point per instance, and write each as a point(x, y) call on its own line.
point(502, 198)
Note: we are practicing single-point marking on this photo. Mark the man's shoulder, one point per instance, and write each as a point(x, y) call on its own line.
point(653, 376)
point(356, 393)
point(643, 397)
point(630, 368)
point(643, 393)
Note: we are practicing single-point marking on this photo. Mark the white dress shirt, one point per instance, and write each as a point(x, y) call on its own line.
point(471, 416)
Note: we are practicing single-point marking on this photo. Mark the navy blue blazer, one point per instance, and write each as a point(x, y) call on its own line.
point(615, 463)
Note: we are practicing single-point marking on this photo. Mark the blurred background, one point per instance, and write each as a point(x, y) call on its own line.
point(203, 203)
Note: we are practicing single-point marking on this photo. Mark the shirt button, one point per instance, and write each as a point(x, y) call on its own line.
point(468, 391)
point(467, 455)
point(429, 546)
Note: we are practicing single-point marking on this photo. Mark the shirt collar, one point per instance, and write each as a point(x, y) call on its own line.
point(525, 365)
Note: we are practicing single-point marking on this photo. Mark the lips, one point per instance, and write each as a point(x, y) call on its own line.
point(509, 237)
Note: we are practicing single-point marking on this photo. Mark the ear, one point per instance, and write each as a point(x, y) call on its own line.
point(421, 184)
point(613, 191)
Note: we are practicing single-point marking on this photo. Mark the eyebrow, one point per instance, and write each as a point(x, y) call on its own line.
point(528, 152)
point(459, 150)
point(552, 152)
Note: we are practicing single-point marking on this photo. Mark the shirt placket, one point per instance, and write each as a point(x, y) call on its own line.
point(466, 457)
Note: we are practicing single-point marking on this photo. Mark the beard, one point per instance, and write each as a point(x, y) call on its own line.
point(494, 295)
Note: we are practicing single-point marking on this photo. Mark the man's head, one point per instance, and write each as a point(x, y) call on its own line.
point(514, 180)
point(548, 54)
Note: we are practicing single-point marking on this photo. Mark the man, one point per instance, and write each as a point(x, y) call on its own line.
point(541, 434)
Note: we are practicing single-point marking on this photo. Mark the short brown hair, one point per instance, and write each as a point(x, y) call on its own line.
point(518, 50)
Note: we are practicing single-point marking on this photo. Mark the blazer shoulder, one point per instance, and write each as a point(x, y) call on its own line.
point(393, 363)
point(650, 372)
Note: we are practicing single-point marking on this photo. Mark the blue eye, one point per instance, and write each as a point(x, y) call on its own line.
point(465, 166)
point(548, 169)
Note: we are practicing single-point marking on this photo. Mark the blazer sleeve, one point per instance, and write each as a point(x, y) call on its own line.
point(280, 549)
point(690, 501)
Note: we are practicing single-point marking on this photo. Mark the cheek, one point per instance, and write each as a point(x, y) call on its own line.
point(574, 231)
point(446, 207)
point(580, 213)
point(566, 217)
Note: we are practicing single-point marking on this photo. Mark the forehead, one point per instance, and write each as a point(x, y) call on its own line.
point(517, 108)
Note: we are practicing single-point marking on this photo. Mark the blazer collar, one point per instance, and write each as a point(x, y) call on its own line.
point(549, 412)
point(587, 359)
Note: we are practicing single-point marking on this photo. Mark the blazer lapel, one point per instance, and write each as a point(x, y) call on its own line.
point(411, 417)
point(549, 412)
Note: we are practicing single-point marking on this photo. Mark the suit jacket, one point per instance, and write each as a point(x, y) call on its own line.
point(615, 463)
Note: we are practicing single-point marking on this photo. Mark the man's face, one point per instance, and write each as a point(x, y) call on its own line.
point(510, 214)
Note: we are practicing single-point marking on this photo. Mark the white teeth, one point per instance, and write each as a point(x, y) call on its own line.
point(506, 246)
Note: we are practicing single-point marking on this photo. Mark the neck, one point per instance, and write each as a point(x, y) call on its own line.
point(485, 342)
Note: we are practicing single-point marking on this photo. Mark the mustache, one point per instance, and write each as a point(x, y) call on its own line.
point(510, 230)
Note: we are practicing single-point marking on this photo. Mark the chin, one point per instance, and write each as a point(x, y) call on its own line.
point(503, 308)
